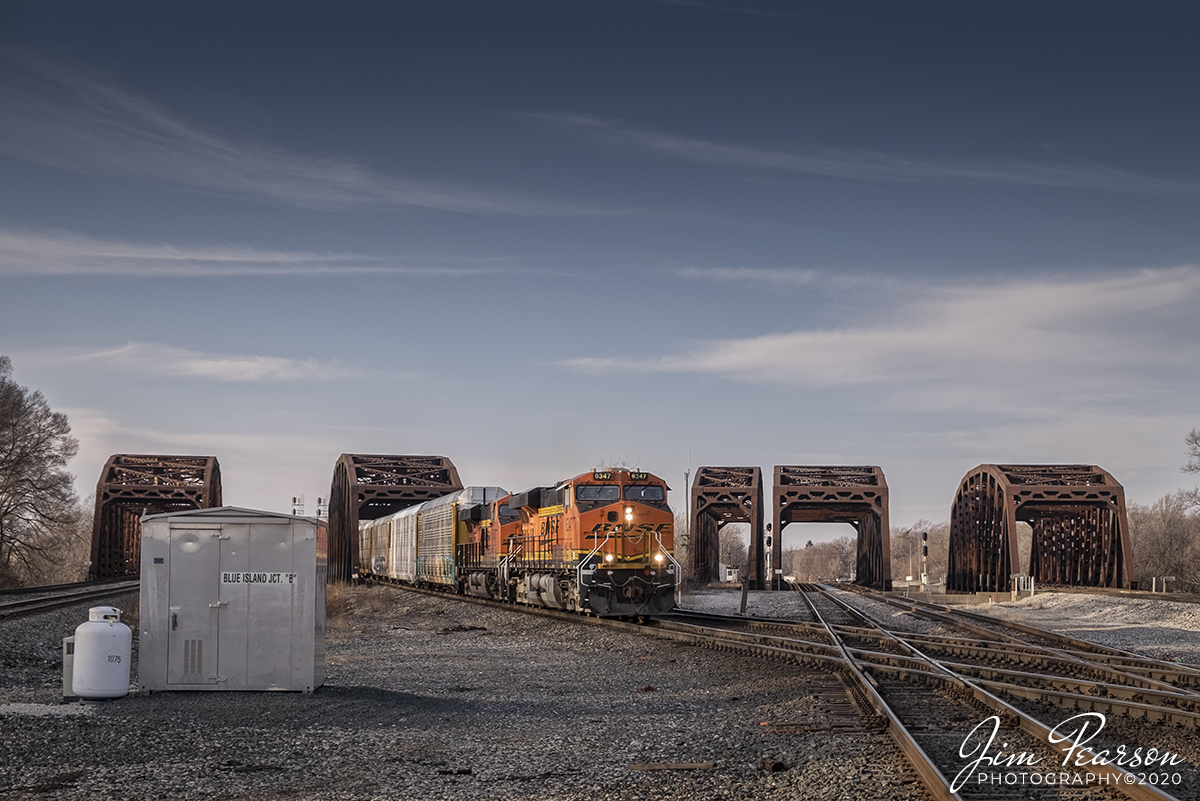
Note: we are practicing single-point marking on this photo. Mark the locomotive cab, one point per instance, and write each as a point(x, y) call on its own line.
point(624, 517)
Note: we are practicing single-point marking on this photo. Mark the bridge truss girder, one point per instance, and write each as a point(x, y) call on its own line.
point(723, 495)
point(366, 487)
point(1079, 521)
point(837, 494)
point(131, 486)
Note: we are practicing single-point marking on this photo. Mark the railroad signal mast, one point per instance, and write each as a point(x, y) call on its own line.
point(924, 558)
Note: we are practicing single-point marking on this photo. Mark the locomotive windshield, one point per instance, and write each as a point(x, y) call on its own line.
point(644, 492)
point(597, 492)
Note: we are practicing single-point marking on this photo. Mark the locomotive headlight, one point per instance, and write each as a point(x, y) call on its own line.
point(608, 558)
point(658, 557)
point(628, 514)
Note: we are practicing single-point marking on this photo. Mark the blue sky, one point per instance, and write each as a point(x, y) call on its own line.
point(541, 237)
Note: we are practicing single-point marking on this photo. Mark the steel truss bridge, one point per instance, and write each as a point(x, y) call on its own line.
point(132, 486)
point(366, 487)
point(1079, 521)
point(799, 494)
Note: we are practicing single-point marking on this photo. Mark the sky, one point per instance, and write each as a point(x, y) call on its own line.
point(543, 237)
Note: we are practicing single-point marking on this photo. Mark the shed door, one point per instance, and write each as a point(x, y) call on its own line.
point(192, 627)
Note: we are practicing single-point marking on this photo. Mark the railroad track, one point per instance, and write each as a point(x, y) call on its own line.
point(1144, 690)
point(54, 597)
point(936, 696)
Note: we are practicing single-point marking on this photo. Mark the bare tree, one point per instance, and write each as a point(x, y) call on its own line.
point(787, 560)
point(1165, 538)
point(1192, 449)
point(1192, 442)
point(63, 551)
point(825, 561)
point(733, 548)
point(683, 544)
point(37, 500)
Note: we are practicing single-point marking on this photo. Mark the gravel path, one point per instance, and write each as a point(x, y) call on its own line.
point(430, 698)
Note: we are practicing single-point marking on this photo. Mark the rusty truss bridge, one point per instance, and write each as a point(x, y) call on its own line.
point(1079, 521)
point(131, 486)
point(800, 494)
point(366, 487)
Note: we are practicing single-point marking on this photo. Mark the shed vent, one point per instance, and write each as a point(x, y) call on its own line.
point(193, 656)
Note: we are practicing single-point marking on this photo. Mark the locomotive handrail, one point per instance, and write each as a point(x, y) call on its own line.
point(587, 558)
point(513, 549)
point(538, 552)
point(678, 568)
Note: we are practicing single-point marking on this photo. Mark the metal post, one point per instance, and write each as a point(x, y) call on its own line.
point(908, 538)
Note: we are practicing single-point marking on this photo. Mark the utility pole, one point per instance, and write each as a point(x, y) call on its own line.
point(687, 505)
point(908, 536)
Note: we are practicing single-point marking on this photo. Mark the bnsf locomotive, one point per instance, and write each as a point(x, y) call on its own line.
point(598, 543)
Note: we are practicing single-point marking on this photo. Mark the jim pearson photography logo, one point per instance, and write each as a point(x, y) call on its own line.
point(990, 764)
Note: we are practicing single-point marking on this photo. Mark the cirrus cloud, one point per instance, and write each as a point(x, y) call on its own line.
point(1089, 341)
point(55, 115)
point(167, 360)
point(67, 253)
point(865, 165)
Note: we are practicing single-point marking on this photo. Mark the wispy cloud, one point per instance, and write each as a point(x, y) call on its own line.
point(1105, 339)
point(66, 253)
point(756, 275)
point(165, 360)
point(262, 467)
point(866, 166)
point(55, 115)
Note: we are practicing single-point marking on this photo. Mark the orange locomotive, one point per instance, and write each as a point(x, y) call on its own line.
point(600, 542)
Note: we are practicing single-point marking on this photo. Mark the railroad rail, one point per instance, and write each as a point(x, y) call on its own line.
point(59, 595)
point(931, 693)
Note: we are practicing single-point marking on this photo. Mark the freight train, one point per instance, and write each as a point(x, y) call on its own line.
point(600, 543)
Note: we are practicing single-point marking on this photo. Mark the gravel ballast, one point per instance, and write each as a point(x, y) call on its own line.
point(1161, 629)
point(429, 697)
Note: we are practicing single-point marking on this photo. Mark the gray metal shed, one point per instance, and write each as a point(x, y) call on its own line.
point(232, 599)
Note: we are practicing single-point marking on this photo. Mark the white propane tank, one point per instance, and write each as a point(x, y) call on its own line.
point(102, 652)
